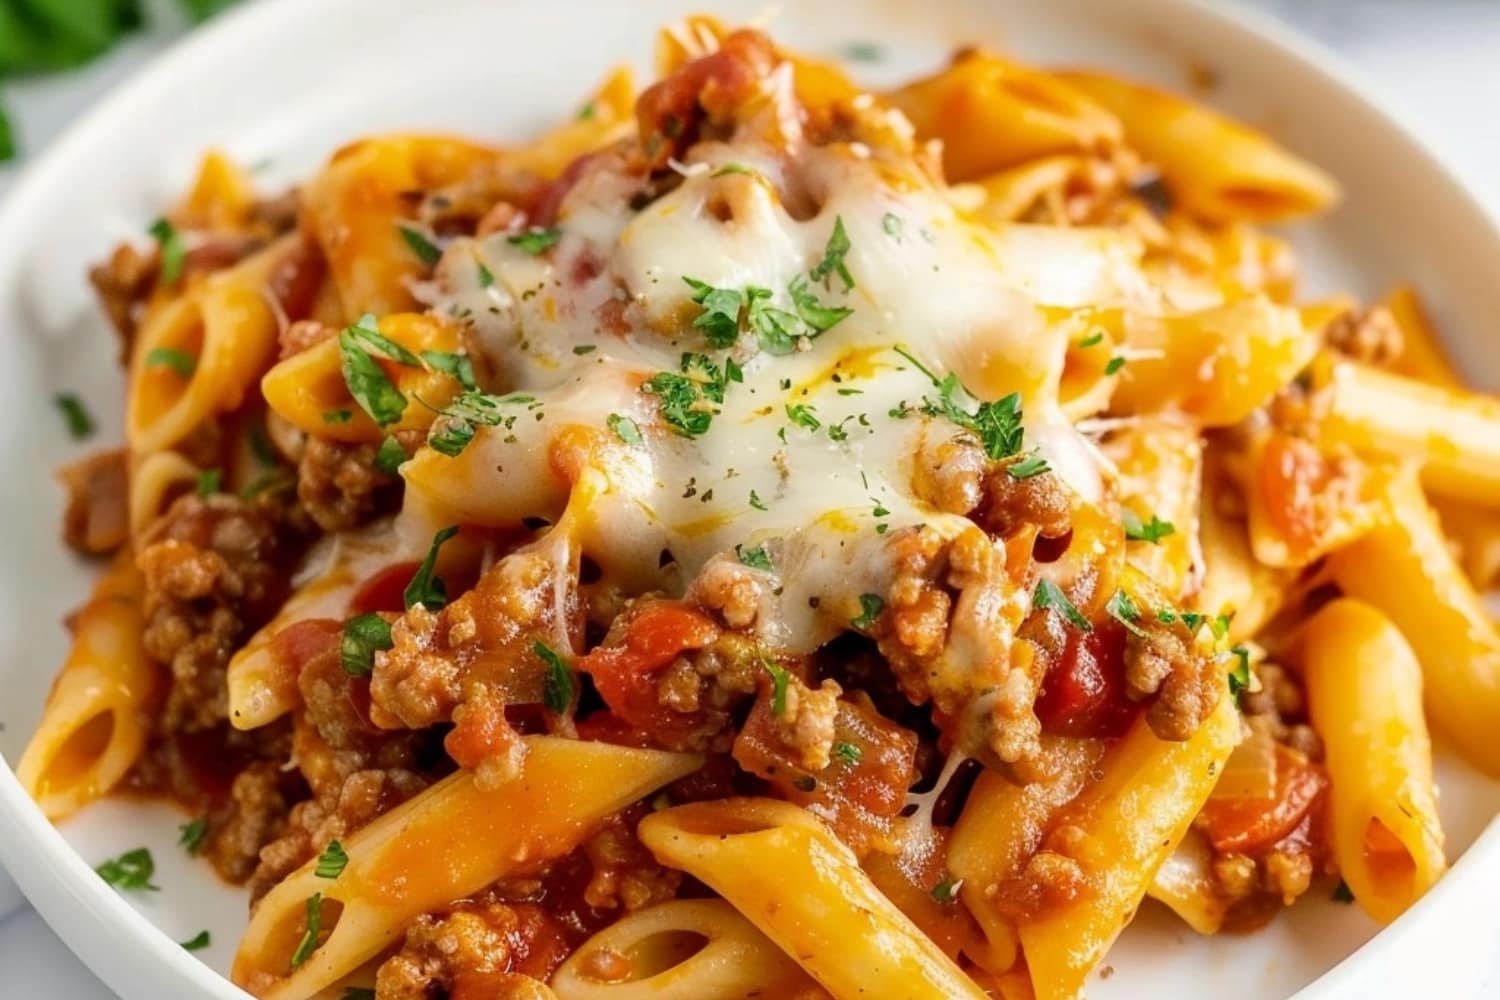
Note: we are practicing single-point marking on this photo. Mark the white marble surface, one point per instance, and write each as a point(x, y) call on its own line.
point(1436, 62)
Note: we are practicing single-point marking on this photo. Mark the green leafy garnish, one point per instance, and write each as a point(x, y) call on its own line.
point(366, 332)
point(779, 680)
point(131, 870)
point(178, 361)
point(681, 405)
point(309, 942)
point(1050, 595)
point(849, 753)
point(452, 435)
point(173, 249)
point(732, 168)
point(625, 429)
point(1152, 531)
point(1239, 674)
point(80, 424)
point(332, 862)
point(368, 383)
point(424, 588)
point(1114, 364)
point(757, 502)
point(557, 688)
point(337, 416)
point(7, 138)
point(191, 834)
point(536, 241)
point(1032, 465)
point(870, 607)
point(997, 424)
point(891, 223)
point(197, 942)
point(802, 415)
point(946, 891)
point(818, 317)
point(390, 456)
point(364, 636)
point(756, 558)
point(459, 366)
point(833, 257)
point(1123, 610)
point(427, 251)
point(720, 319)
point(1094, 338)
point(486, 276)
point(208, 482)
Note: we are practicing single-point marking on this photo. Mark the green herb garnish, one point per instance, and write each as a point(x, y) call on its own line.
point(131, 871)
point(1050, 595)
point(557, 688)
point(364, 636)
point(178, 361)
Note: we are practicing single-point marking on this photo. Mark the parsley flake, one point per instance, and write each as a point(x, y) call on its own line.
point(818, 317)
point(1094, 338)
point(459, 366)
point(870, 607)
point(390, 456)
point(625, 429)
point(1032, 465)
point(997, 424)
point(756, 558)
point(309, 942)
point(890, 222)
point(337, 416)
point(536, 241)
point(208, 482)
point(1239, 674)
point(80, 423)
point(191, 834)
point(427, 251)
point(173, 250)
point(368, 383)
point(1050, 595)
point(197, 942)
point(172, 358)
point(333, 861)
point(802, 415)
point(1152, 531)
point(424, 588)
point(557, 688)
point(833, 257)
point(364, 636)
point(757, 502)
point(1342, 893)
point(779, 680)
point(946, 891)
point(849, 753)
point(1114, 364)
point(1123, 610)
point(130, 871)
point(720, 318)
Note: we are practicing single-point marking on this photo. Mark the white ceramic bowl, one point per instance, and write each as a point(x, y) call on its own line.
point(289, 81)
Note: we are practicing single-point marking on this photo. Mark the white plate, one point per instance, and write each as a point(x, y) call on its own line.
point(291, 80)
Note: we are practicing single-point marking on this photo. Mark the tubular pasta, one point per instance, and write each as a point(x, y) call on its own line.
point(1216, 168)
point(93, 728)
point(687, 949)
point(154, 481)
point(991, 114)
point(408, 861)
point(748, 850)
point(1406, 570)
point(1185, 883)
point(1161, 470)
point(1130, 821)
point(228, 326)
point(1364, 692)
point(221, 197)
point(1422, 355)
point(1455, 434)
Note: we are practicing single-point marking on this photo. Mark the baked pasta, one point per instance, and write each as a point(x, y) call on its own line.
point(769, 538)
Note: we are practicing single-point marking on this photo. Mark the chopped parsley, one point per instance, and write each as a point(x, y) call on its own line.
point(364, 636)
point(818, 317)
point(582, 349)
point(681, 405)
point(208, 482)
point(757, 502)
point(173, 250)
point(486, 276)
point(337, 416)
point(424, 588)
point(997, 424)
point(720, 319)
point(1220, 625)
point(1094, 338)
point(557, 688)
point(390, 456)
point(776, 330)
point(1152, 531)
point(849, 753)
point(865, 52)
point(191, 834)
point(131, 871)
point(333, 861)
point(453, 434)
point(460, 366)
point(366, 333)
point(1050, 595)
point(197, 942)
point(427, 251)
point(779, 680)
point(1123, 610)
point(802, 415)
point(368, 383)
point(309, 942)
point(1032, 465)
point(1342, 893)
point(1239, 674)
point(536, 241)
point(625, 429)
point(80, 424)
point(890, 222)
point(172, 358)
point(833, 257)
point(1114, 364)
point(756, 558)
point(870, 607)
point(946, 891)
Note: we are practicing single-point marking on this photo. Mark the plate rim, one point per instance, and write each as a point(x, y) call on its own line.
point(111, 938)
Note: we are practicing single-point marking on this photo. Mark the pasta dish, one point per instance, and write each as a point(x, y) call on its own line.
point(767, 537)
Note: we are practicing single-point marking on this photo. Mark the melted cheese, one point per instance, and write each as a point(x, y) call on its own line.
point(957, 296)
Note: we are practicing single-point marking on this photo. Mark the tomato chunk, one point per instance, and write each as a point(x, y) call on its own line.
point(626, 672)
point(1083, 691)
point(1249, 826)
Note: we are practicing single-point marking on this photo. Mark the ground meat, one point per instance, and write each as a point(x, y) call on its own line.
point(806, 723)
point(673, 112)
point(623, 873)
point(1049, 879)
point(214, 568)
point(1369, 335)
point(97, 520)
point(1160, 660)
point(257, 814)
point(733, 589)
point(1280, 709)
point(299, 336)
point(1009, 504)
point(339, 485)
point(950, 472)
point(470, 952)
point(122, 284)
point(950, 617)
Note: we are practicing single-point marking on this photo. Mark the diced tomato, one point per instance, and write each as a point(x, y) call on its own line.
point(1293, 475)
point(1083, 691)
point(383, 591)
point(626, 673)
point(607, 727)
point(1249, 826)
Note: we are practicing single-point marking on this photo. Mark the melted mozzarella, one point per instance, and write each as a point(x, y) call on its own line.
point(581, 328)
